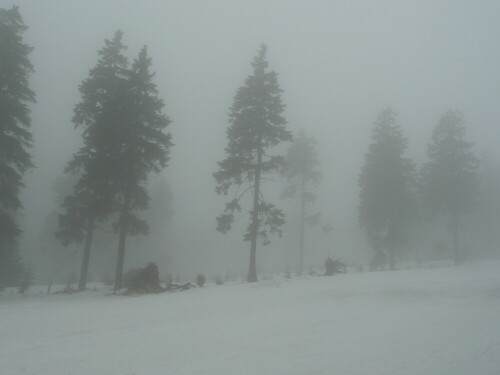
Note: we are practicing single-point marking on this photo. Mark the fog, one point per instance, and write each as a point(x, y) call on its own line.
point(339, 63)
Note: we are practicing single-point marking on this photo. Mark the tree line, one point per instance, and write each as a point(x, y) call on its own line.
point(125, 138)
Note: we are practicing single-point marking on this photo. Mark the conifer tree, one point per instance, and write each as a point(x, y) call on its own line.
point(387, 198)
point(101, 107)
point(303, 175)
point(449, 180)
point(144, 147)
point(256, 126)
point(15, 136)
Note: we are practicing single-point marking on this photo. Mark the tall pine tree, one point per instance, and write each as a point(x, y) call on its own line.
point(449, 180)
point(257, 125)
point(144, 147)
point(103, 99)
point(387, 198)
point(15, 137)
point(303, 175)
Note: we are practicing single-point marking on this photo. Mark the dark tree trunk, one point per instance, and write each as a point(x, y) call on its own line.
point(121, 256)
point(121, 241)
point(302, 224)
point(86, 255)
point(252, 271)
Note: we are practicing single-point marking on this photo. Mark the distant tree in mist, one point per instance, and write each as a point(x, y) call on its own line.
point(102, 104)
point(257, 125)
point(303, 175)
point(387, 198)
point(449, 179)
point(15, 137)
point(54, 260)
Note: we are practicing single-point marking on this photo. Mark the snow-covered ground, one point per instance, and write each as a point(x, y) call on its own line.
point(424, 321)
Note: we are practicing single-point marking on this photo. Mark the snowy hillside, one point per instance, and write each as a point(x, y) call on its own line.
point(426, 321)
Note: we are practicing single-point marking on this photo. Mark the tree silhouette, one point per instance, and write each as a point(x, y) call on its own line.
point(15, 136)
point(257, 125)
point(449, 180)
point(303, 175)
point(387, 197)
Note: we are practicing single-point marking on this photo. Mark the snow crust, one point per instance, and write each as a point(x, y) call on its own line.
point(422, 321)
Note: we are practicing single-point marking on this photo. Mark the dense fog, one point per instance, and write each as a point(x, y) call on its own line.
point(339, 64)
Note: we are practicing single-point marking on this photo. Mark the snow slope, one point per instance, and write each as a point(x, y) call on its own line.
point(426, 321)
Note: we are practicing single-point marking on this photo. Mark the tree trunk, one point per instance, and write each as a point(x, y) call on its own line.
point(86, 255)
point(302, 224)
point(121, 257)
point(456, 250)
point(252, 271)
point(121, 241)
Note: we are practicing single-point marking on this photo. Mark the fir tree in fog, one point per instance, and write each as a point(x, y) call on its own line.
point(387, 180)
point(142, 147)
point(15, 136)
point(56, 259)
point(124, 141)
point(257, 125)
point(449, 179)
point(103, 96)
point(303, 175)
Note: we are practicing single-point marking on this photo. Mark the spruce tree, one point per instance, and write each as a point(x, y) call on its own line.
point(387, 198)
point(256, 126)
point(449, 180)
point(303, 175)
point(15, 137)
point(144, 147)
point(101, 107)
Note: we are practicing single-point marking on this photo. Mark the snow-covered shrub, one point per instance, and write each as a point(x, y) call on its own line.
point(143, 280)
point(334, 266)
point(200, 280)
